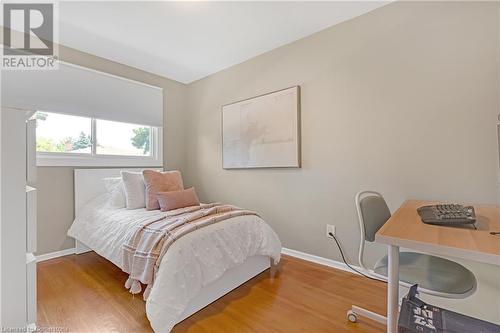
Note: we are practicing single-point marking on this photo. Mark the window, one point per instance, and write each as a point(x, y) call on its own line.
point(57, 133)
point(114, 138)
point(82, 141)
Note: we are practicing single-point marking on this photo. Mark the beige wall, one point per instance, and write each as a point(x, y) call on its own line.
point(402, 100)
point(55, 184)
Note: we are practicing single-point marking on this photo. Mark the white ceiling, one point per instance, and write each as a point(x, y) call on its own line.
point(186, 41)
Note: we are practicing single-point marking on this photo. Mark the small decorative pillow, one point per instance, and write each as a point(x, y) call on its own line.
point(160, 182)
point(178, 199)
point(135, 190)
point(114, 186)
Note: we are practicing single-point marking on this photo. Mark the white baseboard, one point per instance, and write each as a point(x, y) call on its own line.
point(56, 254)
point(319, 260)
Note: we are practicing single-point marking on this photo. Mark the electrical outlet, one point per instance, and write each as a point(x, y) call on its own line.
point(330, 229)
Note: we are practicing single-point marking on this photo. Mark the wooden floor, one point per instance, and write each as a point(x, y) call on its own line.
point(85, 293)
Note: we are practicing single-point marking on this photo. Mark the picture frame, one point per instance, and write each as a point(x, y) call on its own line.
point(262, 131)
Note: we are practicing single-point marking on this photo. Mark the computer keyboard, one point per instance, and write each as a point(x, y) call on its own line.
point(447, 214)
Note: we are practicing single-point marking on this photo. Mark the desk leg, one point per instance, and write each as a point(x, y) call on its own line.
point(393, 289)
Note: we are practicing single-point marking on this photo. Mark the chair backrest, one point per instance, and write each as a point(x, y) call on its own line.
point(372, 213)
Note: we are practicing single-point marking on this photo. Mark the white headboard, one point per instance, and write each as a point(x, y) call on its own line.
point(89, 184)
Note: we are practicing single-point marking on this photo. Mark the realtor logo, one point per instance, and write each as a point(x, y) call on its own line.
point(29, 36)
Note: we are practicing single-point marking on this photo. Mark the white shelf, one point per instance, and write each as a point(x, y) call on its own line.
point(30, 188)
point(30, 258)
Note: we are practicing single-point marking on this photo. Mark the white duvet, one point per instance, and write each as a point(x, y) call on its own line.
point(191, 263)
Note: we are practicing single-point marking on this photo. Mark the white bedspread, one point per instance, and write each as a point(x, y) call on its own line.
point(191, 263)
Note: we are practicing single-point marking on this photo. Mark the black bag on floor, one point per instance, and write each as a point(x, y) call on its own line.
point(418, 317)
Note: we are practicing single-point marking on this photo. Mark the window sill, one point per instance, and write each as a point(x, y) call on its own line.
point(48, 160)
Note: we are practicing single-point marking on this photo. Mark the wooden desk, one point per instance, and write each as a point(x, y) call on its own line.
point(405, 229)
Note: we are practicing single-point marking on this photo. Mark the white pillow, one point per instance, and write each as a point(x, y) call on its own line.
point(135, 189)
point(114, 186)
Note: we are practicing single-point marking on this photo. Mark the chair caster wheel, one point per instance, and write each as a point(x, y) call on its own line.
point(351, 316)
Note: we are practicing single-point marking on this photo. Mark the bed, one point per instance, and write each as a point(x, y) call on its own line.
point(197, 269)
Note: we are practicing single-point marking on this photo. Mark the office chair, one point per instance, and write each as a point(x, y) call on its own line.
point(434, 275)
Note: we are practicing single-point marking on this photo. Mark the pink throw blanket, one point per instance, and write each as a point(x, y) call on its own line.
point(143, 251)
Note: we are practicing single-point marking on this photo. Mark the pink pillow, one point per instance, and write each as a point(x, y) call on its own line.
point(160, 182)
point(178, 199)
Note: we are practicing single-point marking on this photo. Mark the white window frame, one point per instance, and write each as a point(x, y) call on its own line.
point(45, 159)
